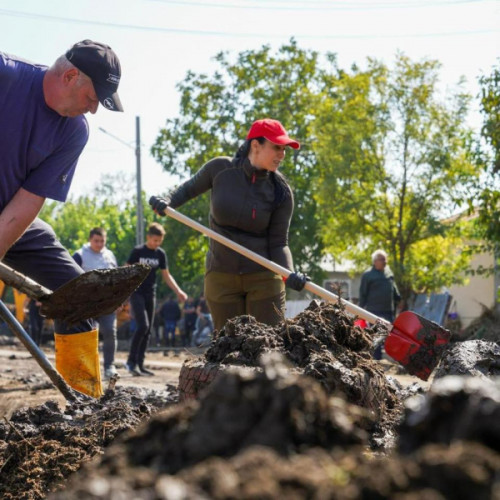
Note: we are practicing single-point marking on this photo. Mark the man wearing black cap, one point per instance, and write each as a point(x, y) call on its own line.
point(43, 134)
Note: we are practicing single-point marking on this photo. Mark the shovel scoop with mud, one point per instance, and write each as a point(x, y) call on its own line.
point(94, 293)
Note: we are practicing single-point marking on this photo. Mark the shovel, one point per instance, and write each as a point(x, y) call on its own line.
point(91, 294)
point(69, 393)
point(413, 341)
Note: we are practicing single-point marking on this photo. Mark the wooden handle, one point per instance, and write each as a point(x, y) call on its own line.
point(22, 283)
point(276, 268)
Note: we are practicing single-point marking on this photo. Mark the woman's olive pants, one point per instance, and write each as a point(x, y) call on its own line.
point(261, 295)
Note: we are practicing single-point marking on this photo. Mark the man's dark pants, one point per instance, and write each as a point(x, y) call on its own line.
point(143, 307)
point(40, 255)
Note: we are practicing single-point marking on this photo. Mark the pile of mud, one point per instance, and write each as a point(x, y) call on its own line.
point(477, 358)
point(274, 434)
point(485, 327)
point(323, 343)
point(41, 446)
point(455, 409)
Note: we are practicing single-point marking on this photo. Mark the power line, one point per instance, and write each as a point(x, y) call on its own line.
point(238, 34)
point(320, 6)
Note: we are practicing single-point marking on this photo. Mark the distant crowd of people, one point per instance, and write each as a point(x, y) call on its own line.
point(194, 322)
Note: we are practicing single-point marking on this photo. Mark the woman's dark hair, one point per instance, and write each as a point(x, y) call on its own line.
point(281, 187)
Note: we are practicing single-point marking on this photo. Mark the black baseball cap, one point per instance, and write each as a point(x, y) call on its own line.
point(101, 65)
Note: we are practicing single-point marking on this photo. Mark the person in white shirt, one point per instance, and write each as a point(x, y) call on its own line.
point(95, 255)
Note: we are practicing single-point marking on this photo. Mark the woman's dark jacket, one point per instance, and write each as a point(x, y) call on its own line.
point(243, 208)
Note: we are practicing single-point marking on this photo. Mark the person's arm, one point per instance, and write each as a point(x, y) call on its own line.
point(16, 217)
point(200, 183)
point(172, 284)
point(279, 226)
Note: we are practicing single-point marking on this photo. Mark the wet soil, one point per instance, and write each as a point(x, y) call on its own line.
point(266, 431)
point(486, 327)
point(455, 409)
point(478, 358)
point(322, 343)
point(274, 434)
point(41, 446)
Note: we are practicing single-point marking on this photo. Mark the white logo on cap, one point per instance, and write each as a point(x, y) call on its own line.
point(108, 103)
point(113, 79)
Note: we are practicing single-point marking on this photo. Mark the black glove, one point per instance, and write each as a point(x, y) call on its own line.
point(297, 281)
point(159, 204)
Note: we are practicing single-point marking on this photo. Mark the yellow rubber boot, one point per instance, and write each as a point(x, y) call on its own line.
point(77, 360)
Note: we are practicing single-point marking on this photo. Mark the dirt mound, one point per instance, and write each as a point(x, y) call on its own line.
point(41, 446)
point(435, 472)
point(275, 434)
point(323, 343)
point(273, 408)
point(477, 358)
point(461, 471)
point(455, 409)
point(486, 327)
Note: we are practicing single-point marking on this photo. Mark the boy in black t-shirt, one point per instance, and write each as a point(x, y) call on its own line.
point(143, 299)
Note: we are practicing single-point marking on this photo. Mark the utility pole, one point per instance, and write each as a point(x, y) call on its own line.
point(139, 228)
point(140, 213)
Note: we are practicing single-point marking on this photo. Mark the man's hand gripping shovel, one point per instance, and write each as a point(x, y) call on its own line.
point(413, 341)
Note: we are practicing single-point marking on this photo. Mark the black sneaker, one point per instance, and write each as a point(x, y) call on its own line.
point(143, 371)
point(133, 370)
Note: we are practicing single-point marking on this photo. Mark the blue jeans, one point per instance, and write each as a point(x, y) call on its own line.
point(107, 329)
point(169, 331)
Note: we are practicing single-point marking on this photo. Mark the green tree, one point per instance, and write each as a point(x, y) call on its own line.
point(73, 220)
point(396, 158)
point(486, 203)
point(217, 110)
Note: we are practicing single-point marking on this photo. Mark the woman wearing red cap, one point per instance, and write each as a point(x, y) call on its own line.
point(251, 204)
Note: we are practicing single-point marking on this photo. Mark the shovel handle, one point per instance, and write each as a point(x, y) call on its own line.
point(276, 268)
point(17, 329)
point(22, 283)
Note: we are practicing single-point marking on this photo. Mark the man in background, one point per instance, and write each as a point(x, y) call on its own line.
point(378, 292)
point(95, 255)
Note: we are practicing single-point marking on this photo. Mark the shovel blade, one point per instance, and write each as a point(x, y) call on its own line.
point(416, 343)
point(94, 293)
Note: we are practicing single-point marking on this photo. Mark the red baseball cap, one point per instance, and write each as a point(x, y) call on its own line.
point(273, 131)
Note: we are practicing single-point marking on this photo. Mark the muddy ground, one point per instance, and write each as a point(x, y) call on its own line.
point(271, 432)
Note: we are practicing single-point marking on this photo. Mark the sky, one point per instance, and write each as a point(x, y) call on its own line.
point(159, 41)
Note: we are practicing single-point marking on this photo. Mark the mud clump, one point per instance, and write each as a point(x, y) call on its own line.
point(477, 358)
point(93, 293)
point(455, 409)
point(486, 327)
point(274, 434)
point(41, 446)
point(323, 343)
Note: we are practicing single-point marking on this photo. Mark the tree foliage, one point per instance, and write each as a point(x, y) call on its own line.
point(486, 202)
point(395, 159)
